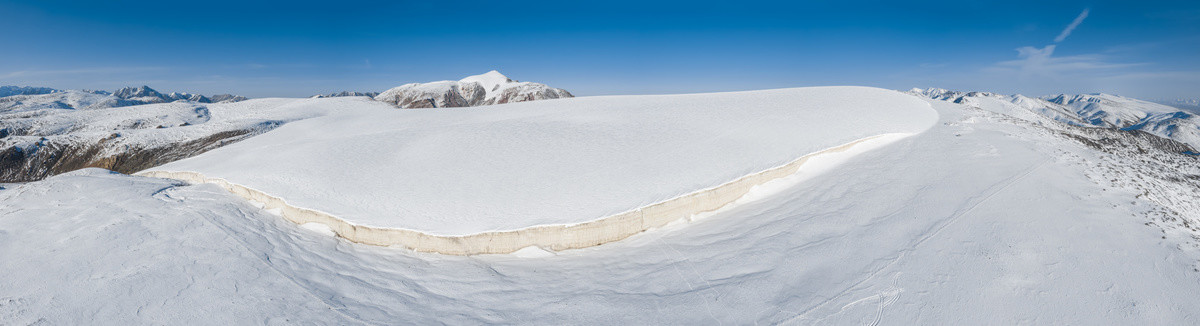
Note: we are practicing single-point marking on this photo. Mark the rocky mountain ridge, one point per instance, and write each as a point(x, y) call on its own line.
point(1088, 110)
point(346, 94)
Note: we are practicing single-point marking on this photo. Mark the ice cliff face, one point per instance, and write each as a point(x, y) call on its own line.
point(1091, 110)
point(486, 89)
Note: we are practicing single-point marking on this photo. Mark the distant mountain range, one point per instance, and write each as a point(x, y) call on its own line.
point(1186, 104)
point(24, 97)
point(1087, 110)
point(346, 94)
point(25, 90)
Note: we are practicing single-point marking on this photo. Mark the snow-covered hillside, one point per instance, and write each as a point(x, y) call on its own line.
point(1097, 110)
point(446, 172)
point(996, 214)
point(64, 100)
point(486, 89)
point(47, 131)
point(38, 141)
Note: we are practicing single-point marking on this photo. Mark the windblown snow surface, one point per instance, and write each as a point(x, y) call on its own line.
point(985, 218)
point(506, 167)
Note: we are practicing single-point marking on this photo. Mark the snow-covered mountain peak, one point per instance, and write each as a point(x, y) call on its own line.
point(485, 89)
point(136, 92)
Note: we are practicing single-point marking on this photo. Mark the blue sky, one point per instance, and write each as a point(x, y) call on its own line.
point(300, 48)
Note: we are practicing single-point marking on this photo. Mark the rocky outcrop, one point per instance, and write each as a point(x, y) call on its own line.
point(486, 89)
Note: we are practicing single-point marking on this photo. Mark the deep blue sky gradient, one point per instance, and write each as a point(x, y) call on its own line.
point(300, 48)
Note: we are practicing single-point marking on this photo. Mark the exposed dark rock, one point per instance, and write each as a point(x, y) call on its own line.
point(50, 157)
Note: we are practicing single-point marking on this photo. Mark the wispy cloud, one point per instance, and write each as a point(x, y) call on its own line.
point(1036, 69)
point(37, 73)
point(1034, 61)
point(1070, 28)
point(1041, 62)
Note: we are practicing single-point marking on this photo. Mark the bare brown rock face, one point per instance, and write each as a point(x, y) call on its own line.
point(47, 134)
point(54, 156)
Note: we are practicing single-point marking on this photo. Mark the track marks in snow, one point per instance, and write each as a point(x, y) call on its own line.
point(169, 194)
point(709, 285)
point(929, 234)
point(989, 194)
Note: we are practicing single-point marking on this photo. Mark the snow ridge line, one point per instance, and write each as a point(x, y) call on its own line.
point(554, 237)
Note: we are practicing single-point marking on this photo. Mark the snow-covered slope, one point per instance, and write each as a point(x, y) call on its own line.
point(986, 218)
point(509, 167)
point(38, 140)
point(1111, 110)
point(486, 89)
point(63, 100)
point(60, 131)
point(1096, 110)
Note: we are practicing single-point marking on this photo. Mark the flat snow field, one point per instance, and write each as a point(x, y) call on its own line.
point(462, 171)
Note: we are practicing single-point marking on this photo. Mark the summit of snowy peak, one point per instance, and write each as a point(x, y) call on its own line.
point(490, 81)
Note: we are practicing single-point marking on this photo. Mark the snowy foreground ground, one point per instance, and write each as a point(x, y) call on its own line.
point(977, 220)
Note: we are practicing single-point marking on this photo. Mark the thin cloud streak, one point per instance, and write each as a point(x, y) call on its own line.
point(81, 71)
point(1070, 28)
